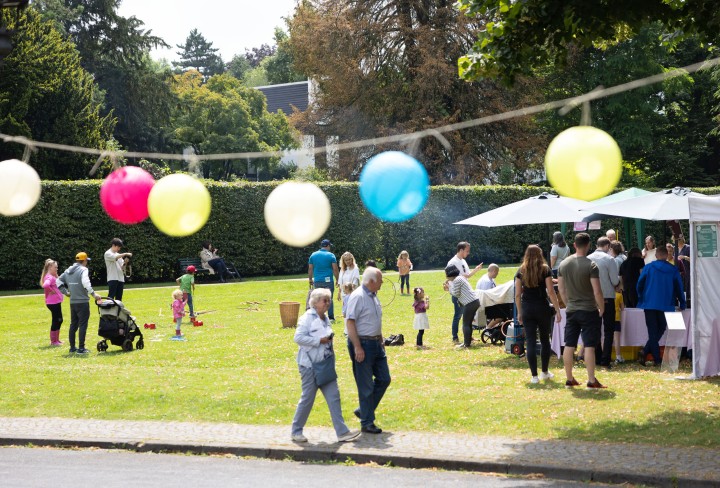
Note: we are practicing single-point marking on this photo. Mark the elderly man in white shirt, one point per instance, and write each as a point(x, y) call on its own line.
point(609, 280)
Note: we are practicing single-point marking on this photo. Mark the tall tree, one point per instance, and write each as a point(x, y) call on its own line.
point(222, 116)
point(280, 66)
point(516, 37)
point(199, 54)
point(46, 95)
point(386, 67)
point(116, 51)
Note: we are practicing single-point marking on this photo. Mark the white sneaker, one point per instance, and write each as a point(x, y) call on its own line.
point(351, 435)
point(546, 376)
point(299, 438)
point(535, 380)
point(619, 360)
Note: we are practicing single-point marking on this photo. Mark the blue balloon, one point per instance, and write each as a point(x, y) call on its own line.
point(394, 186)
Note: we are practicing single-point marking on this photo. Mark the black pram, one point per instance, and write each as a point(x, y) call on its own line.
point(117, 326)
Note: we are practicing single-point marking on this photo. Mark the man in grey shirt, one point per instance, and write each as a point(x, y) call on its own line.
point(75, 282)
point(367, 350)
point(609, 280)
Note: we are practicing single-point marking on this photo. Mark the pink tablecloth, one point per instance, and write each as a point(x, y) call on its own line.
point(633, 331)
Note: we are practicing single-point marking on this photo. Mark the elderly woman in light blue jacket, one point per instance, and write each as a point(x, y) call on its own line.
point(314, 335)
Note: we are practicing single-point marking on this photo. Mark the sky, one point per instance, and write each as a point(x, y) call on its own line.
point(231, 25)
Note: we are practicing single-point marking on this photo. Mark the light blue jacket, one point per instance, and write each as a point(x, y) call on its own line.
point(310, 329)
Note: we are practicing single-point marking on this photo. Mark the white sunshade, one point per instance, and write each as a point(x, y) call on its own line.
point(542, 209)
point(662, 205)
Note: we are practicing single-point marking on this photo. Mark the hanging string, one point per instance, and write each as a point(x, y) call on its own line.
point(572, 102)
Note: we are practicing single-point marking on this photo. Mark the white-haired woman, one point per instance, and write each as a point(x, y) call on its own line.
point(314, 337)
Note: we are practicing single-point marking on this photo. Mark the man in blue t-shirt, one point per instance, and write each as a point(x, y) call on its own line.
point(323, 271)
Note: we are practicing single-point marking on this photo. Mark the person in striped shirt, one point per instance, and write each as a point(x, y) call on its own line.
point(460, 288)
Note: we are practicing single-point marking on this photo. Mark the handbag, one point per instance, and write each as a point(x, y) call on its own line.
point(325, 370)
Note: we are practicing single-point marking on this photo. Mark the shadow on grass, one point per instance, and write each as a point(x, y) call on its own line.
point(669, 428)
point(508, 362)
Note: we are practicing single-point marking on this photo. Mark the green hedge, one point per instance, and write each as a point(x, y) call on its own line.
point(69, 218)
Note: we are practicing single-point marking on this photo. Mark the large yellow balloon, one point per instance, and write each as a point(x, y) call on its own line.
point(583, 163)
point(19, 187)
point(179, 205)
point(297, 214)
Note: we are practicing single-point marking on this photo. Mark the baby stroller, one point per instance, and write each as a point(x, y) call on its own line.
point(117, 326)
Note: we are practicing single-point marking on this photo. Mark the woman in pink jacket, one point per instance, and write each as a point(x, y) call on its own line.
point(53, 299)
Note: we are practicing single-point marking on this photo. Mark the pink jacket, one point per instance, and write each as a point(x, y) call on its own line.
point(178, 307)
point(52, 294)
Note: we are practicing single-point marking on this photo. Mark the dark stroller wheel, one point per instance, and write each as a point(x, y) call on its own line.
point(497, 337)
point(140, 344)
point(127, 345)
point(486, 336)
point(101, 346)
point(517, 349)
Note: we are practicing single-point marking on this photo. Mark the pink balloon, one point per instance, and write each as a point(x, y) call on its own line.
point(124, 194)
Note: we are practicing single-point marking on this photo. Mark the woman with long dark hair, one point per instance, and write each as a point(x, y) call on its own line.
point(629, 274)
point(533, 287)
point(559, 251)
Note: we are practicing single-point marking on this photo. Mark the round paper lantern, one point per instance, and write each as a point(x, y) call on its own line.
point(179, 205)
point(124, 194)
point(394, 186)
point(584, 163)
point(20, 187)
point(297, 214)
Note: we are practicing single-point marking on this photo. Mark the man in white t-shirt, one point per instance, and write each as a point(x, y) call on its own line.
point(463, 251)
point(487, 282)
point(114, 265)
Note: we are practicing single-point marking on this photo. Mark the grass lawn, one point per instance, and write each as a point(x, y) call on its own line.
point(240, 367)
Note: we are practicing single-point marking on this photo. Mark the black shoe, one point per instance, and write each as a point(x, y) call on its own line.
point(73, 349)
point(371, 429)
point(357, 413)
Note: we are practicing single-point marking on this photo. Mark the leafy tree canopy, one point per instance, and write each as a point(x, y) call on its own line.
point(517, 36)
point(223, 116)
point(199, 54)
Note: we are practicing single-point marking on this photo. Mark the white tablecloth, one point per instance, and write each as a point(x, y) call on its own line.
point(633, 331)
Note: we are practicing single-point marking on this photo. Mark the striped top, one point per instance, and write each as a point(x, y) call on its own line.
point(461, 289)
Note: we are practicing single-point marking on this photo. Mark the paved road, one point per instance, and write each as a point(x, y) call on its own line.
point(42, 467)
point(554, 458)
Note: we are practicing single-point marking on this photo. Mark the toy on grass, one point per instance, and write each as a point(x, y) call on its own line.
point(179, 205)
point(584, 163)
point(394, 186)
point(297, 214)
point(124, 194)
point(20, 187)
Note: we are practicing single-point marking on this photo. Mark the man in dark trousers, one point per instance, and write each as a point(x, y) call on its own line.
point(659, 287)
point(75, 282)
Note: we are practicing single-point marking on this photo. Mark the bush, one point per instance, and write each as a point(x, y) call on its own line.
point(69, 219)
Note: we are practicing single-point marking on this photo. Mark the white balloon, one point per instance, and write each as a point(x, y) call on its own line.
point(297, 214)
point(20, 189)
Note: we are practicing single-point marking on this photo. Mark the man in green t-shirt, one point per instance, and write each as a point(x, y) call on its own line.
point(579, 286)
point(187, 286)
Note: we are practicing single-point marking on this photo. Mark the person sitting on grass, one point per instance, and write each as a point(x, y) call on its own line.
point(187, 286)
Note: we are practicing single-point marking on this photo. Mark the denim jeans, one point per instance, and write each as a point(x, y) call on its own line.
point(456, 317)
point(188, 297)
point(370, 391)
point(656, 325)
point(537, 318)
point(79, 316)
point(307, 399)
point(330, 286)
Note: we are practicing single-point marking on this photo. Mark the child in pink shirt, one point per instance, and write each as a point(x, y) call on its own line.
point(53, 299)
point(178, 308)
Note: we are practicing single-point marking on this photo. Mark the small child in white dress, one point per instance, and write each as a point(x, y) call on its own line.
point(421, 322)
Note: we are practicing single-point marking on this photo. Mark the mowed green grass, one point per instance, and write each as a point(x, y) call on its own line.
point(240, 367)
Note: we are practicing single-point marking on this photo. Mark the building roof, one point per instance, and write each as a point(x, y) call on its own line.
point(286, 96)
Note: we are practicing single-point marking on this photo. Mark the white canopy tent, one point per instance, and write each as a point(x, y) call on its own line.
point(705, 265)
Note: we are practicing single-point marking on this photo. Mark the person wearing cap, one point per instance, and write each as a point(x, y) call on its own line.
point(114, 261)
point(323, 271)
point(75, 282)
point(187, 286)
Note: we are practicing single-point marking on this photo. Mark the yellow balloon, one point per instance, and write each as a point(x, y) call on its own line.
point(297, 214)
point(20, 189)
point(179, 205)
point(583, 163)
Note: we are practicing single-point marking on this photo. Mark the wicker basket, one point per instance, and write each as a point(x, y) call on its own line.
point(289, 313)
